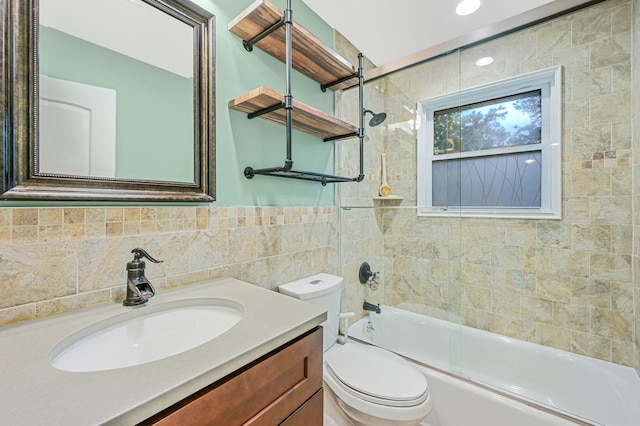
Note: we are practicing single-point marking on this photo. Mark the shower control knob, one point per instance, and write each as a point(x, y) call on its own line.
point(365, 274)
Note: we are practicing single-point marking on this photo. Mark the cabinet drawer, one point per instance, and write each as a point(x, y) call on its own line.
point(264, 393)
point(310, 414)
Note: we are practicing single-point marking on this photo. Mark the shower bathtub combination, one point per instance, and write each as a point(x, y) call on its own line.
point(510, 381)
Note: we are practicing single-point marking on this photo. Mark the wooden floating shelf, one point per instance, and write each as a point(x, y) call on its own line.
point(310, 55)
point(305, 118)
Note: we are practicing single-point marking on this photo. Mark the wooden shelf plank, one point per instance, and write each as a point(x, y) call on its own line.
point(305, 118)
point(310, 55)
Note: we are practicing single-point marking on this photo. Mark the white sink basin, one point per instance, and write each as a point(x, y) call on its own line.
point(145, 334)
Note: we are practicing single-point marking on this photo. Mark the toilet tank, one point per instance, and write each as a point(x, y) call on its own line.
point(323, 290)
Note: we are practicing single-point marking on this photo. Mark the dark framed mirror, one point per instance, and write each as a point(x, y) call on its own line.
point(107, 100)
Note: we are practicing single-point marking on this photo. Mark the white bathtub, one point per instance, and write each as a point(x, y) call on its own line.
point(587, 389)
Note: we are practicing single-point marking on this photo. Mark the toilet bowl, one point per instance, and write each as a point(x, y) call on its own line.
point(365, 385)
point(376, 387)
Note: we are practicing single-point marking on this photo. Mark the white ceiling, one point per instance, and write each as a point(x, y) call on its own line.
point(386, 31)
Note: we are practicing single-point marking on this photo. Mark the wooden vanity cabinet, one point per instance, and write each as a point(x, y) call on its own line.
point(283, 387)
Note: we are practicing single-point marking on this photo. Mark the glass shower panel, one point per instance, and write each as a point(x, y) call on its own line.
point(502, 287)
point(361, 227)
point(497, 279)
point(423, 254)
point(457, 252)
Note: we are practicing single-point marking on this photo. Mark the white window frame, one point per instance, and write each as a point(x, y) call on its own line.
point(549, 82)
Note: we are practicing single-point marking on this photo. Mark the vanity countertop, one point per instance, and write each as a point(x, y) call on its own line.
point(35, 393)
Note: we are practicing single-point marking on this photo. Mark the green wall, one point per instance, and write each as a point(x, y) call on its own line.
point(154, 107)
point(258, 143)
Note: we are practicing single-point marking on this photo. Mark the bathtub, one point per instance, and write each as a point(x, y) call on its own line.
point(586, 389)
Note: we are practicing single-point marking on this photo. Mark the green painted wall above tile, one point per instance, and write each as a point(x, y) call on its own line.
point(259, 143)
point(148, 126)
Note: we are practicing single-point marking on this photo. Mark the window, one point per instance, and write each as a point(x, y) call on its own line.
point(493, 150)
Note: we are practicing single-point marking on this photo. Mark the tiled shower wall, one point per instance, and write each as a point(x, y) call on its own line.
point(364, 237)
point(566, 284)
point(54, 260)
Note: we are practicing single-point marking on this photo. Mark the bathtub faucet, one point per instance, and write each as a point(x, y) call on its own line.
point(371, 307)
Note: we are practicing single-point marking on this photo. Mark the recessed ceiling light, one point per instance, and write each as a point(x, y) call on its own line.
point(467, 7)
point(483, 62)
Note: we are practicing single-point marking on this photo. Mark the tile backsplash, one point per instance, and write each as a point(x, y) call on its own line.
point(57, 259)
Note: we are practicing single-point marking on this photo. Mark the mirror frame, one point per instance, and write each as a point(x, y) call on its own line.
point(19, 71)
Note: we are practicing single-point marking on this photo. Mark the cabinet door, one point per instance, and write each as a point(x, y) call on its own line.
point(265, 393)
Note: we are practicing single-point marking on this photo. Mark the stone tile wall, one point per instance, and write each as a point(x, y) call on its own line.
point(566, 284)
point(636, 175)
point(364, 237)
point(54, 260)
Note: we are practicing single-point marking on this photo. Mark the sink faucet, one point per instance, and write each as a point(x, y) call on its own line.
point(139, 289)
point(371, 307)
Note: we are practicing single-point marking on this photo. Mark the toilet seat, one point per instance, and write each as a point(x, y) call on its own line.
point(376, 376)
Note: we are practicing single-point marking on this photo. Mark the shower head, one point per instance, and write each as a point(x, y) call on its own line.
point(377, 118)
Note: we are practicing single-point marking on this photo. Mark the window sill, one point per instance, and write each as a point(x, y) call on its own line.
point(488, 214)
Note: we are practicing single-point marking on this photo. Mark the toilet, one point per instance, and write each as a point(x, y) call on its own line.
point(364, 385)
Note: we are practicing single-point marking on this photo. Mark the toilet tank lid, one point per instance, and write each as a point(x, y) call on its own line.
point(313, 286)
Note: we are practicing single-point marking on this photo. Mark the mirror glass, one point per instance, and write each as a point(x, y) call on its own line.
point(111, 100)
point(116, 91)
